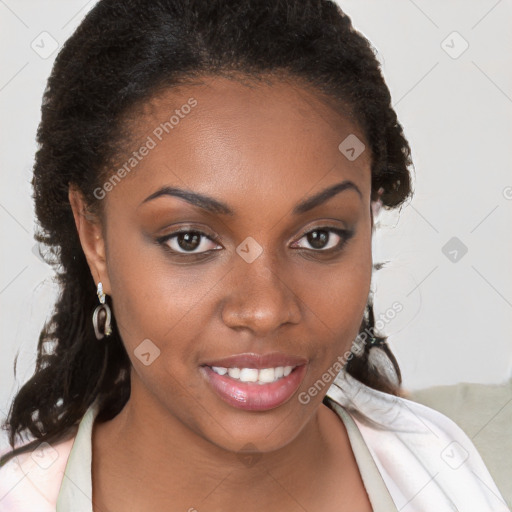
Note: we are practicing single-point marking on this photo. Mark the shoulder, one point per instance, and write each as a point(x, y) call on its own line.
point(471, 404)
point(30, 481)
point(425, 458)
point(484, 412)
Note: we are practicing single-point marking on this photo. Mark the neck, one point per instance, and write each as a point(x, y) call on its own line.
point(175, 461)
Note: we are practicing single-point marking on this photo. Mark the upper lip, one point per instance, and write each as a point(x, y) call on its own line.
point(257, 361)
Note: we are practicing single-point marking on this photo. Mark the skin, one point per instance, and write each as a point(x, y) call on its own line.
point(175, 445)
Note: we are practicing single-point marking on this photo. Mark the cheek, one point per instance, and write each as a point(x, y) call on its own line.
point(164, 305)
point(337, 298)
point(153, 299)
point(339, 293)
point(162, 313)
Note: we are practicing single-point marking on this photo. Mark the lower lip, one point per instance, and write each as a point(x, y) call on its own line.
point(252, 396)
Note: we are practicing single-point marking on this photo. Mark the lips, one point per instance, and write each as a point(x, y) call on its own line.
point(230, 378)
point(257, 361)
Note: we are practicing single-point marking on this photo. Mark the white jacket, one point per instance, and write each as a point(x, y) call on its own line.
point(422, 461)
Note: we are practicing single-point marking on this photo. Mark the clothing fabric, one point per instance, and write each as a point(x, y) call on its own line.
point(484, 412)
point(411, 459)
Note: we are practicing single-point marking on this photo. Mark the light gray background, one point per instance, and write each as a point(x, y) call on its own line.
point(456, 320)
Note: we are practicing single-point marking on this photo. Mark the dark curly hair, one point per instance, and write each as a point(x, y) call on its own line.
point(121, 55)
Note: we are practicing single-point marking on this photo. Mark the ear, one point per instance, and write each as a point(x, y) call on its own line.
point(91, 237)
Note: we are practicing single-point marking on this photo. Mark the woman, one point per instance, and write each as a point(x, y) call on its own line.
point(207, 181)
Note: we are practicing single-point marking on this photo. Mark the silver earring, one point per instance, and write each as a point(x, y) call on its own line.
point(358, 347)
point(103, 307)
point(379, 360)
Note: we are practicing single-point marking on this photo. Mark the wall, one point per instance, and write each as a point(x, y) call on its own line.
point(448, 250)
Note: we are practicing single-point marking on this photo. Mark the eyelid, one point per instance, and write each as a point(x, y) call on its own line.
point(321, 226)
point(187, 228)
point(344, 233)
point(162, 240)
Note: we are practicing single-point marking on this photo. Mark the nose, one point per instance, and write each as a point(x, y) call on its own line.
point(259, 298)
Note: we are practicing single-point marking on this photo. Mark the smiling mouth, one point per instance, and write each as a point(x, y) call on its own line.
point(260, 376)
point(255, 382)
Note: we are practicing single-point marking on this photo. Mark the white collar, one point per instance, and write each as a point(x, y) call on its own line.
point(426, 461)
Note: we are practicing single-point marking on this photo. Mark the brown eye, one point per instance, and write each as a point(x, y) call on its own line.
point(323, 239)
point(188, 242)
point(318, 239)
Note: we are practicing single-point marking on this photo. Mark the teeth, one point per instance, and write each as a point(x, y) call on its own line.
point(263, 376)
point(248, 375)
point(234, 373)
point(266, 375)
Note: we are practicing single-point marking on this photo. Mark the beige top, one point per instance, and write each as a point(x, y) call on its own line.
point(411, 458)
point(76, 490)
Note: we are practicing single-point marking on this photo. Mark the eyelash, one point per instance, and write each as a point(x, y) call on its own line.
point(344, 234)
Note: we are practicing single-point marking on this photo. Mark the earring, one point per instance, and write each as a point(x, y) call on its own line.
point(358, 347)
point(379, 360)
point(103, 307)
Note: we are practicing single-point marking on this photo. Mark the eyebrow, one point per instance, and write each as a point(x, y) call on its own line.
point(214, 206)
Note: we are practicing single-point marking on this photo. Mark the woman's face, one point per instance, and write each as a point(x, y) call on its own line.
point(253, 272)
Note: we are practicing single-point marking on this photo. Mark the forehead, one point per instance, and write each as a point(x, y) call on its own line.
point(231, 139)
